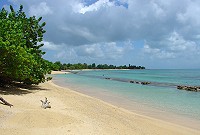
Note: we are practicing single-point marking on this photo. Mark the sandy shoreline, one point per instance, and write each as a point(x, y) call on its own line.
point(74, 113)
point(59, 72)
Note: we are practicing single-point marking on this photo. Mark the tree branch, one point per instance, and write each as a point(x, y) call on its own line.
point(5, 102)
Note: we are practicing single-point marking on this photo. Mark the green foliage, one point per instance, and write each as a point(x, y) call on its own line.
point(20, 54)
point(57, 66)
point(49, 78)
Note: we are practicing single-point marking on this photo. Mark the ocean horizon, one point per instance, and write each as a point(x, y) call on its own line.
point(160, 99)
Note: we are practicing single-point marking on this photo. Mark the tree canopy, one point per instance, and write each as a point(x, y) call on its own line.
point(20, 42)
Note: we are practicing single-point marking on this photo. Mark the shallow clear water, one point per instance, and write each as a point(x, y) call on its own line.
point(162, 94)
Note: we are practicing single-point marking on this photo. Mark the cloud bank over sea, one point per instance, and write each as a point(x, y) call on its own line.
point(153, 33)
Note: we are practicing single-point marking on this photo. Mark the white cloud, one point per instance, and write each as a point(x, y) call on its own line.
point(175, 47)
point(158, 53)
point(66, 54)
point(178, 43)
point(191, 14)
point(40, 10)
point(90, 51)
point(104, 50)
point(84, 32)
point(170, 28)
point(51, 46)
point(94, 7)
point(158, 9)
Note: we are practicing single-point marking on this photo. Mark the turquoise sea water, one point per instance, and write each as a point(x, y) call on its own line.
point(161, 95)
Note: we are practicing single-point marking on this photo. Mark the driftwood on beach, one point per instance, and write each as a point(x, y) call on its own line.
point(45, 104)
point(5, 102)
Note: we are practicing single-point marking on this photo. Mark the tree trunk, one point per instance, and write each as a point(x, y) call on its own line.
point(5, 102)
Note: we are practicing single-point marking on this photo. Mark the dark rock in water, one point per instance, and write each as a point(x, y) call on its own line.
point(107, 78)
point(132, 81)
point(145, 83)
point(180, 87)
point(137, 82)
point(189, 88)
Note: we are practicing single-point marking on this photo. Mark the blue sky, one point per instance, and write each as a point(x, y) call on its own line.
point(89, 2)
point(151, 33)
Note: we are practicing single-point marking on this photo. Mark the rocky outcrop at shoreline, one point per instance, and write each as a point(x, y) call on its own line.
point(189, 88)
point(179, 87)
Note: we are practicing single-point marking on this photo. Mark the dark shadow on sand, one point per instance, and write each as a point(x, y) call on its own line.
point(19, 89)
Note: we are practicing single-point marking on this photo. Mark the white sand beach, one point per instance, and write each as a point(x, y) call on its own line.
point(73, 113)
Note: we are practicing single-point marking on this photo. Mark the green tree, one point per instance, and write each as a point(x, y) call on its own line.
point(57, 66)
point(93, 65)
point(20, 55)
